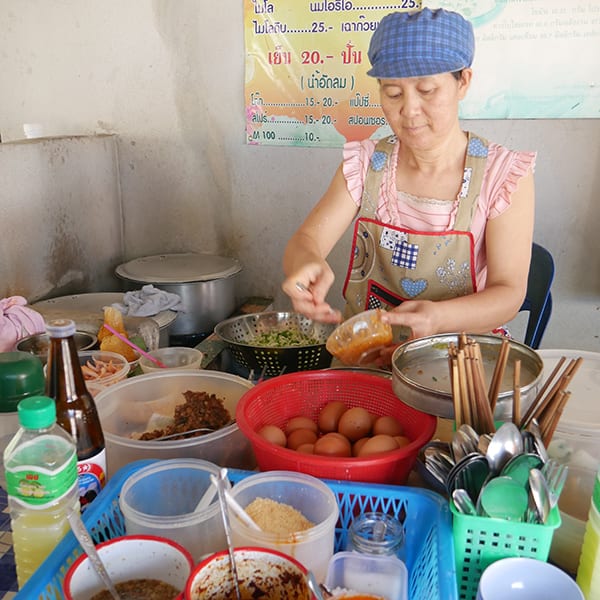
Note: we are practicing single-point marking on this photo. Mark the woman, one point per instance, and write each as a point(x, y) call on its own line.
point(445, 219)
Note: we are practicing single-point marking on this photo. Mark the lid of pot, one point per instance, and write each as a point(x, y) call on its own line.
point(21, 375)
point(178, 268)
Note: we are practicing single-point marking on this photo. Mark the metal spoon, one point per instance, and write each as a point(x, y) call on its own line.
point(189, 432)
point(83, 537)
point(505, 443)
point(314, 586)
point(463, 502)
point(219, 483)
point(540, 494)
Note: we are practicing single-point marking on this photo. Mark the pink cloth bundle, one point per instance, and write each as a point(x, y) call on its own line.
point(17, 321)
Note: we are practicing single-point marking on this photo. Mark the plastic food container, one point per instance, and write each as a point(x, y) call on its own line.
point(130, 557)
point(162, 499)
point(358, 340)
point(281, 575)
point(314, 499)
point(176, 357)
point(363, 573)
point(126, 408)
point(119, 369)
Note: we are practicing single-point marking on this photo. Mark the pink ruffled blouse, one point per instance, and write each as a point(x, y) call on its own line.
point(503, 171)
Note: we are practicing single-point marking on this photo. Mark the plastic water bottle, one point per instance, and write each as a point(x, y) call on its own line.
point(588, 573)
point(41, 482)
point(75, 408)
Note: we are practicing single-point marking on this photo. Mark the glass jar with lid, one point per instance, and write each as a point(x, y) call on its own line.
point(376, 533)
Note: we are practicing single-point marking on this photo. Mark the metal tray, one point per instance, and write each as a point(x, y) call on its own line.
point(421, 376)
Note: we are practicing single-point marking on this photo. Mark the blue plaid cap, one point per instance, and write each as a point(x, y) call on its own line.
point(417, 44)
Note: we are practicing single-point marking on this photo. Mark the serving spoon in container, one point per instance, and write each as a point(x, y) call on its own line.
point(83, 537)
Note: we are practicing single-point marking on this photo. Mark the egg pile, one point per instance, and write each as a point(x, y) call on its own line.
point(339, 432)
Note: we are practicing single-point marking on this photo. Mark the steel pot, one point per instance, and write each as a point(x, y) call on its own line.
point(206, 284)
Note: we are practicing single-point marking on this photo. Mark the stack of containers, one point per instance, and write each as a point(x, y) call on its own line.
point(576, 443)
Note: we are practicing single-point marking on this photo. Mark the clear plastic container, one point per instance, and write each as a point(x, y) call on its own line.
point(358, 340)
point(41, 477)
point(367, 574)
point(176, 357)
point(118, 369)
point(126, 409)
point(311, 497)
point(161, 499)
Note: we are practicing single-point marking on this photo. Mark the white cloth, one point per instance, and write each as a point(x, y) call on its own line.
point(148, 301)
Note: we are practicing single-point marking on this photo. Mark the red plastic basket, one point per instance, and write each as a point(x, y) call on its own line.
point(277, 400)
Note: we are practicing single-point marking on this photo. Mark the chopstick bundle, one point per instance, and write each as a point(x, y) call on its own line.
point(551, 397)
point(470, 399)
point(547, 407)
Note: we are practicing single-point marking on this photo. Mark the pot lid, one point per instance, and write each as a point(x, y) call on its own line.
point(178, 268)
point(87, 310)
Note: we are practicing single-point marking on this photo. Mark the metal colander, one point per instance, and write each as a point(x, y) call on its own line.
point(240, 332)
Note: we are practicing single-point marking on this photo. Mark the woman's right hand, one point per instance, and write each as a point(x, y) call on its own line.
point(307, 289)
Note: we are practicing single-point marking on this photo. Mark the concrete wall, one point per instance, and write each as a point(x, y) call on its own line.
point(167, 76)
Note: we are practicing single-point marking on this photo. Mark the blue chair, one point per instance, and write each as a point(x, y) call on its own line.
point(538, 300)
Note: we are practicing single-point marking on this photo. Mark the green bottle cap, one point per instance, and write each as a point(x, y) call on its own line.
point(36, 412)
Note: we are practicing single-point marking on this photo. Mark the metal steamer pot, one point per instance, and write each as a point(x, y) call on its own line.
point(206, 284)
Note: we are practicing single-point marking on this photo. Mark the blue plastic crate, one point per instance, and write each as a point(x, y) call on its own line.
point(429, 549)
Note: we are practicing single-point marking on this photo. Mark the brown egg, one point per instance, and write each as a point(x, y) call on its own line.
point(306, 449)
point(332, 444)
point(300, 423)
point(402, 440)
point(330, 414)
point(299, 437)
point(358, 445)
point(388, 426)
point(377, 444)
point(355, 423)
point(273, 434)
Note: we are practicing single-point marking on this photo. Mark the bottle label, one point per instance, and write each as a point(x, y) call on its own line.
point(596, 492)
point(92, 477)
point(36, 487)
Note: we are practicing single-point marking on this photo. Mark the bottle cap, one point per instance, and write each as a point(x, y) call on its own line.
point(36, 412)
point(60, 328)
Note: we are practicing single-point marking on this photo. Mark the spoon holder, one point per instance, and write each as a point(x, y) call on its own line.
point(480, 541)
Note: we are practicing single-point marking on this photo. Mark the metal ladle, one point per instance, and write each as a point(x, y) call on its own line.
point(83, 537)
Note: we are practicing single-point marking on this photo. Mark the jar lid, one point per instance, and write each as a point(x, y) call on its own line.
point(178, 268)
point(21, 375)
point(37, 412)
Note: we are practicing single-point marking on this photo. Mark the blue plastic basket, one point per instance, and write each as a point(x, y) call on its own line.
point(429, 554)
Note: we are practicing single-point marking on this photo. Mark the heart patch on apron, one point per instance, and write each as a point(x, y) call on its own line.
point(413, 287)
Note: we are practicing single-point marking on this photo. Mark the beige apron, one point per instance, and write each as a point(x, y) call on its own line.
point(392, 264)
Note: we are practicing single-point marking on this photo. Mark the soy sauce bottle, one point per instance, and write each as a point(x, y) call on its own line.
point(75, 408)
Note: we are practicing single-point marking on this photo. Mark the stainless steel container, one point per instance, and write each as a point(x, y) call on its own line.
point(421, 375)
point(205, 283)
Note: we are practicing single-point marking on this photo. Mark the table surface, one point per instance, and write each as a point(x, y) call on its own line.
point(8, 575)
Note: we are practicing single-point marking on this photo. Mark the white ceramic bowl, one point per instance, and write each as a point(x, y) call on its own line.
point(175, 357)
point(130, 557)
point(282, 575)
point(526, 579)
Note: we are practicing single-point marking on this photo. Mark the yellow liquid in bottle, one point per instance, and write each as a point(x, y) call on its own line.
point(588, 573)
point(36, 534)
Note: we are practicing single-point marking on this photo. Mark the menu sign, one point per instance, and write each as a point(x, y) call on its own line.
point(306, 64)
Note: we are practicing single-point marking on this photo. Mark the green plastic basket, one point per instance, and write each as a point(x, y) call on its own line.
point(480, 541)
